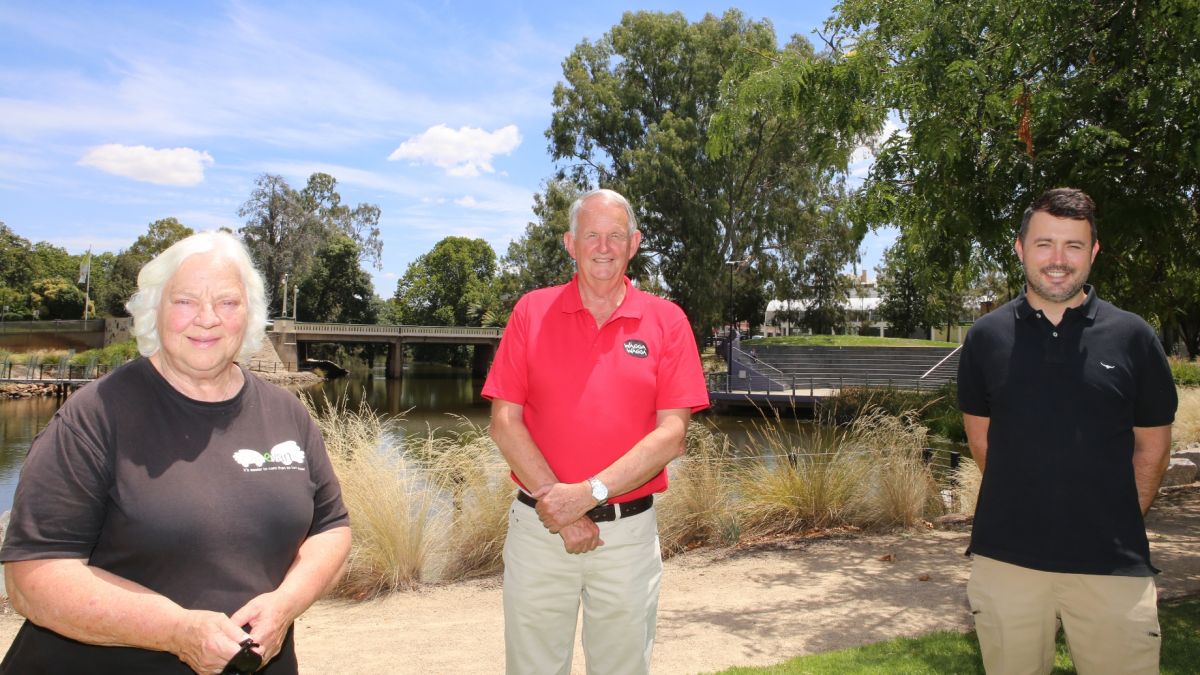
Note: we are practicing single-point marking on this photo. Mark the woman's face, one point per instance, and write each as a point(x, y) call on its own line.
point(202, 317)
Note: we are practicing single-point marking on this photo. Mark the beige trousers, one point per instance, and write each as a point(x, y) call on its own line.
point(1111, 622)
point(544, 585)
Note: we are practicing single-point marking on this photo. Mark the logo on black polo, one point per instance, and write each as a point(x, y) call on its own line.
point(636, 348)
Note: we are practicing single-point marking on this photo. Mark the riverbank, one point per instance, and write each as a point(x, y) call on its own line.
point(282, 378)
point(755, 604)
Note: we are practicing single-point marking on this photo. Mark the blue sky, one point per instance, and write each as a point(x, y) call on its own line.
point(116, 114)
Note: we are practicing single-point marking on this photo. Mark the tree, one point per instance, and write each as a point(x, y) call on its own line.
point(121, 282)
point(360, 224)
point(439, 288)
point(538, 258)
point(16, 272)
point(634, 114)
point(1001, 100)
point(903, 303)
point(280, 233)
point(285, 228)
point(336, 289)
point(58, 298)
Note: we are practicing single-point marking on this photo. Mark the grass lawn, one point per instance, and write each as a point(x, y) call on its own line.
point(844, 341)
point(949, 652)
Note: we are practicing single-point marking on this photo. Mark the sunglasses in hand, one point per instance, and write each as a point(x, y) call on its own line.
point(246, 661)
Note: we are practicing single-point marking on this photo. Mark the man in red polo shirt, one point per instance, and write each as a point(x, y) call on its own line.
point(591, 389)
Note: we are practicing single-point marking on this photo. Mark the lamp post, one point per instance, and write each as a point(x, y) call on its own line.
point(283, 314)
point(732, 322)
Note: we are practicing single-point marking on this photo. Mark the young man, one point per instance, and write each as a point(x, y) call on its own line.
point(1067, 402)
point(591, 389)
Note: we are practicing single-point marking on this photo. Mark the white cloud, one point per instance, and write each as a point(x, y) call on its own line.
point(466, 151)
point(467, 202)
point(167, 166)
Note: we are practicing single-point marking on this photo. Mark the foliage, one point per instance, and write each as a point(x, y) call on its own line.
point(60, 298)
point(336, 289)
point(125, 266)
point(361, 223)
point(440, 287)
point(538, 258)
point(1187, 418)
point(902, 289)
point(466, 467)
point(1185, 372)
point(1001, 100)
point(15, 253)
point(26, 269)
point(280, 234)
point(394, 528)
point(952, 652)
point(285, 228)
point(936, 409)
point(635, 113)
point(698, 508)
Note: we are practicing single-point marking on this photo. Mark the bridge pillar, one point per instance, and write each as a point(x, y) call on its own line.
point(285, 348)
point(395, 360)
point(482, 360)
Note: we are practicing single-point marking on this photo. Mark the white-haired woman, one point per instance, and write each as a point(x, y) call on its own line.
point(152, 530)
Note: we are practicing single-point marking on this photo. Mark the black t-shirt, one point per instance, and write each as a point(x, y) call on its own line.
point(205, 503)
point(1058, 492)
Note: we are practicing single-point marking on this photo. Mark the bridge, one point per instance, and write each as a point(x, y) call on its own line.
point(291, 340)
point(790, 376)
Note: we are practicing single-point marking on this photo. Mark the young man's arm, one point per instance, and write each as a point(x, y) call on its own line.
point(977, 437)
point(1151, 456)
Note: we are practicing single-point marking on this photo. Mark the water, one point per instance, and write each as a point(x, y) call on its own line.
point(20, 420)
point(429, 397)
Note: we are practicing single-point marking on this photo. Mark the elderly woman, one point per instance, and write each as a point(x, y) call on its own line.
point(179, 506)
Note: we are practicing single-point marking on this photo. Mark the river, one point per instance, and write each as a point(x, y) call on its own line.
point(429, 397)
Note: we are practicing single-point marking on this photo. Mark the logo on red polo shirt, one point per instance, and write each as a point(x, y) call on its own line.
point(636, 348)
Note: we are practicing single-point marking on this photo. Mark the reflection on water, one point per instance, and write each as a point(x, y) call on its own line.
point(20, 420)
point(428, 396)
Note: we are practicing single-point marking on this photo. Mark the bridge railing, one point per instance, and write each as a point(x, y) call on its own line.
point(393, 330)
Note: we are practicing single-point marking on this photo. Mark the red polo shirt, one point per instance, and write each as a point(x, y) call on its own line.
point(590, 394)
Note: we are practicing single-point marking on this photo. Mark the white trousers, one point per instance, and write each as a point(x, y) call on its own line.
point(618, 584)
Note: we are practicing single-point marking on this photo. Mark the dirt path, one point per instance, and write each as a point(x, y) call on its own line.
point(718, 608)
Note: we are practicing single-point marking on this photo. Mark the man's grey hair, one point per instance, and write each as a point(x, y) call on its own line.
point(610, 196)
point(155, 275)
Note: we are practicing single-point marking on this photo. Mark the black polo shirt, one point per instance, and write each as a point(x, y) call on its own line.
point(1058, 493)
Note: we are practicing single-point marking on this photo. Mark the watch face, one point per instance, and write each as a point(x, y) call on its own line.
point(599, 490)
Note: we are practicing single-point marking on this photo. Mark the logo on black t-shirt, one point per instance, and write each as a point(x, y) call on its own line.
point(636, 348)
point(286, 453)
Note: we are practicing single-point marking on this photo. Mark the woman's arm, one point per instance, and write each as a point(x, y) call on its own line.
point(92, 605)
point(318, 565)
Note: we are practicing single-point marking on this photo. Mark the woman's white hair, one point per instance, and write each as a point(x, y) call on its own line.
point(143, 306)
point(604, 194)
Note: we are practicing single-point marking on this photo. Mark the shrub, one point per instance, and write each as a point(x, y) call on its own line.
point(899, 490)
point(1187, 418)
point(697, 509)
point(1186, 373)
point(800, 482)
point(967, 477)
point(469, 475)
point(937, 409)
point(392, 516)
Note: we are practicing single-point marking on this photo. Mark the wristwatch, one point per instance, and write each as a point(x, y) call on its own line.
point(599, 490)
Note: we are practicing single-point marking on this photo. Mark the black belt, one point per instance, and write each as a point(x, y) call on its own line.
point(606, 512)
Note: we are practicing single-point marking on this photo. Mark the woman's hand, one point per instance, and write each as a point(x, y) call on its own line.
point(206, 641)
point(269, 616)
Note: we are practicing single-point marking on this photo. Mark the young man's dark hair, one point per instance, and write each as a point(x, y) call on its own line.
point(1063, 203)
